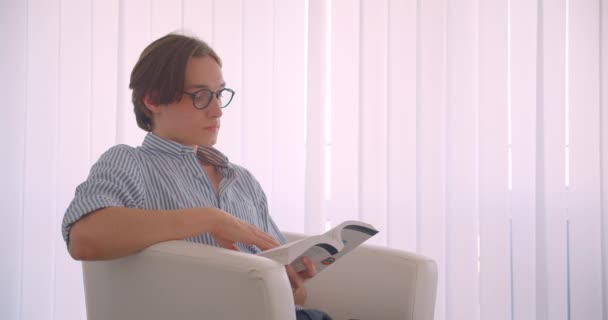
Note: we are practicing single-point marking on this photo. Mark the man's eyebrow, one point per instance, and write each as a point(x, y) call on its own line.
point(202, 86)
point(198, 86)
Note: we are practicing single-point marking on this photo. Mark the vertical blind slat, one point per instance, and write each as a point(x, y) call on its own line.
point(553, 205)
point(134, 36)
point(73, 136)
point(604, 145)
point(165, 16)
point(372, 116)
point(289, 133)
point(14, 31)
point(104, 68)
point(344, 203)
point(256, 96)
point(401, 114)
point(431, 135)
point(198, 19)
point(495, 293)
point(228, 43)
point(584, 198)
point(462, 277)
point(38, 203)
point(523, 41)
point(315, 118)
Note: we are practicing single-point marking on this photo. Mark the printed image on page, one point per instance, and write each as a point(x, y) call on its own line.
point(322, 255)
point(352, 236)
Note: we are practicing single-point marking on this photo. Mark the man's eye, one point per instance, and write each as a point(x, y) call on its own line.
point(203, 94)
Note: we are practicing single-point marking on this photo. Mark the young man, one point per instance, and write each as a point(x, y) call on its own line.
point(176, 185)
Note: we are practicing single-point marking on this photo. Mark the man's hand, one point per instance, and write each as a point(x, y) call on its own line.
point(296, 279)
point(228, 229)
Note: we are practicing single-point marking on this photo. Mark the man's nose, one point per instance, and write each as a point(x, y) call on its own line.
point(215, 107)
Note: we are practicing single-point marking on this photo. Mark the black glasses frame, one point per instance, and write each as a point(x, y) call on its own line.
point(217, 94)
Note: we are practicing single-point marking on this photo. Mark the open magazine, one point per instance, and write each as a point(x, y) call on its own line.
point(323, 249)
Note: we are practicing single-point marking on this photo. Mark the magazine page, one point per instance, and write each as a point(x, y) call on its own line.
point(321, 255)
point(353, 235)
point(323, 250)
point(314, 247)
point(348, 234)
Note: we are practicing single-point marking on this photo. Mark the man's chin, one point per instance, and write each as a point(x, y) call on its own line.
point(208, 143)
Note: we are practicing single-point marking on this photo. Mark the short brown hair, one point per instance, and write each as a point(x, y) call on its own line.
point(161, 70)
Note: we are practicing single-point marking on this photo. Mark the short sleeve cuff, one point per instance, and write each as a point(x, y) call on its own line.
point(80, 207)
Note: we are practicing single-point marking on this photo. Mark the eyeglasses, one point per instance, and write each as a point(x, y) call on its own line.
point(201, 98)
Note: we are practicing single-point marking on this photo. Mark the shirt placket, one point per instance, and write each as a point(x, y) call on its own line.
point(202, 177)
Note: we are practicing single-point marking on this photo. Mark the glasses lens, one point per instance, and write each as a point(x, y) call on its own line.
point(225, 97)
point(202, 99)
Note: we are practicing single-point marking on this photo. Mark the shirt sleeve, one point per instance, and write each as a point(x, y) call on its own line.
point(262, 208)
point(114, 181)
point(269, 225)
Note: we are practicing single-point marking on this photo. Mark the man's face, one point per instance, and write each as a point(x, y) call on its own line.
point(180, 121)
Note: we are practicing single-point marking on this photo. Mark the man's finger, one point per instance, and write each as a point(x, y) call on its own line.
point(294, 278)
point(309, 268)
point(228, 245)
point(263, 240)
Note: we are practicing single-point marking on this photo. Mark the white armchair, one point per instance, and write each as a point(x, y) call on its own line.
point(184, 280)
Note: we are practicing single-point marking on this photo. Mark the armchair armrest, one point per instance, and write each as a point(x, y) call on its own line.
point(184, 280)
point(373, 282)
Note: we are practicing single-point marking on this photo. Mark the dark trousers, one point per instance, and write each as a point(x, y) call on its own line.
point(311, 314)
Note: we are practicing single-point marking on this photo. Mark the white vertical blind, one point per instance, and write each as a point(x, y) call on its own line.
point(461, 220)
point(228, 43)
point(522, 199)
point(40, 177)
point(345, 87)
point(372, 115)
point(133, 36)
point(257, 97)
point(604, 143)
point(446, 124)
point(165, 16)
point(104, 75)
point(289, 92)
point(72, 142)
point(494, 215)
point(198, 18)
point(401, 121)
point(431, 138)
point(584, 198)
point(315, 117)
point(552, 260)
point(13, 30)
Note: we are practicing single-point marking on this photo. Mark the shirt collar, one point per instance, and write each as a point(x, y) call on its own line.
point(208, 155)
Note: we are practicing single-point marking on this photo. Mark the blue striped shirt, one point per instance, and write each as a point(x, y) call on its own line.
point(165, 175)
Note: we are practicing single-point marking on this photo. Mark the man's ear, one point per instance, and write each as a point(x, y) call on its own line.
point(150, 105)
